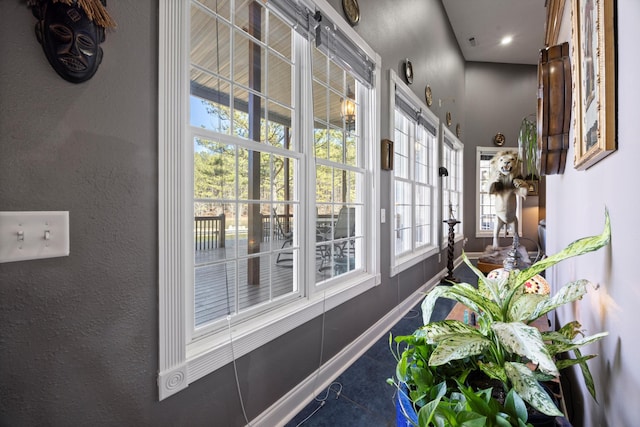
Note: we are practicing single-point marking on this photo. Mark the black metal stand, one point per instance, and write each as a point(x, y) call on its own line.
point(452, 234)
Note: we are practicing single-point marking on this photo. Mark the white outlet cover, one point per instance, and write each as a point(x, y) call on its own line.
point(33, 235)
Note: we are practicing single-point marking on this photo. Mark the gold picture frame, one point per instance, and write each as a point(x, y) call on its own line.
point(594, 81)
point(555, 8)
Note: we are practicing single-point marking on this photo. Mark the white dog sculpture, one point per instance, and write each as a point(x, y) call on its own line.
point(505, 184)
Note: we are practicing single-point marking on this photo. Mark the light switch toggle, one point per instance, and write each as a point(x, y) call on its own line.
point(33, 235)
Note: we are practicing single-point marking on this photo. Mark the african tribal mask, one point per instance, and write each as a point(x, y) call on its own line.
point(70, 32)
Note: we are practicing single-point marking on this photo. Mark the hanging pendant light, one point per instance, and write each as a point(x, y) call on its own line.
point(348, 109)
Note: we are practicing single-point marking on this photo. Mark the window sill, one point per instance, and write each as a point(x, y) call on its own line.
point(408, 261)
point(211, 353)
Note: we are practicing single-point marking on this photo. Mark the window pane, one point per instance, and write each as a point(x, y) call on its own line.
point(280, 78)
point(401, 151)
point(278, 127)
point(250, 17)
point(248, 57)
point(336, 247)
point(207, 114)
point(214, 169)
point(284, 173)
point(336, 145)
point(280, 38)
point(422, 162)
point(351, 147)
point(214, 292)
point(220, 6)
point(210, 42)
point(403, 217)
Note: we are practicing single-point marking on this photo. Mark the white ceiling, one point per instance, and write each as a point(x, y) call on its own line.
point(488, 21)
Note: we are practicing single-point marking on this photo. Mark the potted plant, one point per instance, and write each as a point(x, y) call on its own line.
point(503, 347)
point(528, 148)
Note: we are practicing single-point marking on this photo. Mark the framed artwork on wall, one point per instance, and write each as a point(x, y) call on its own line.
point(594, 77)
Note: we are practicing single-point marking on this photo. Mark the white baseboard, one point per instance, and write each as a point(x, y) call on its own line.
point(295, 400)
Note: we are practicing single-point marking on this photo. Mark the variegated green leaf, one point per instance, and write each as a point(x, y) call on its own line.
point(522, 307)
point(462, 293)
point(429, 302)
point(571, 329)
point(487, 287)
point(568, 293)
point(586, 373)
point(565, 363)
point(458, 347)
point(469, 296)
point(561, 347)
point(493, 371)
point(437, 331)
point(579, 247)
point(525, 341)
point(554, 337)
point(526, 385)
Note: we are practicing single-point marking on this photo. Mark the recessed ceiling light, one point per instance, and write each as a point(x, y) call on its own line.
point(506, 40)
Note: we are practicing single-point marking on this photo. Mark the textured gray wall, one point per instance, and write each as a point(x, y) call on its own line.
point(78, 335)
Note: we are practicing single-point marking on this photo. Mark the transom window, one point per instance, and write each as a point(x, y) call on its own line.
point(266, 141)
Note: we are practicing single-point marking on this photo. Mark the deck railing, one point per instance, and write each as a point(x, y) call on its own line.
point(209, 232)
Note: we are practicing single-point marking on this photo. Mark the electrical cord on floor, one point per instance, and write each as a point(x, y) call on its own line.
point(323, 401)
point(412, 314)
point(235, 371)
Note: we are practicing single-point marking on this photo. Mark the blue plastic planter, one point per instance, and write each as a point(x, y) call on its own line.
point(404, 409)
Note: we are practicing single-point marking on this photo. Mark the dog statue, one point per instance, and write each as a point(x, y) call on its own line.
point(506, 184)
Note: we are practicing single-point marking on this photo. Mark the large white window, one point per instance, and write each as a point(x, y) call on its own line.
point(267, 138)
point(414, 186)
point(452, 161)
point(485, 203)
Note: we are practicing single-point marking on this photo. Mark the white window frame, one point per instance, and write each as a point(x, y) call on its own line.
point(183, 359)
point(401, 263)
point(449, 138)
point(479, 191)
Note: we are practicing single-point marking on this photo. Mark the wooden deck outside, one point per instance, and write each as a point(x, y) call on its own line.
point(221, 287)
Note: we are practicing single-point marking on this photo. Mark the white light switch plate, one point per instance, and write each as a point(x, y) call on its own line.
point(33, 235)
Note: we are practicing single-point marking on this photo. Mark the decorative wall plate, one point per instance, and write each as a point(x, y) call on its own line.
point(428, 96)
point(408, 71)
point(499, 139)
point(351, 11)
point(448, 118)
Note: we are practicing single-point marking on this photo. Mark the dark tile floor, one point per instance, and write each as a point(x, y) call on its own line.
point(361, 396)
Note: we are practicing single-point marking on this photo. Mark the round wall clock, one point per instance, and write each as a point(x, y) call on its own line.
point(428, 96)
point(351, 10)
point(499, 139)
point(408, 71)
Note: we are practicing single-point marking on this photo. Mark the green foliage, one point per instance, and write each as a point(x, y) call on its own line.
point(466, 407)
point(504, 346)
point(528, 147)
